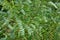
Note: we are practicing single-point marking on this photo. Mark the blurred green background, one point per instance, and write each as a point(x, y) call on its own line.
point(29, 19)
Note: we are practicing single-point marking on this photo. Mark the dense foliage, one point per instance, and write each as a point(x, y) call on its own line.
point(29, 19)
